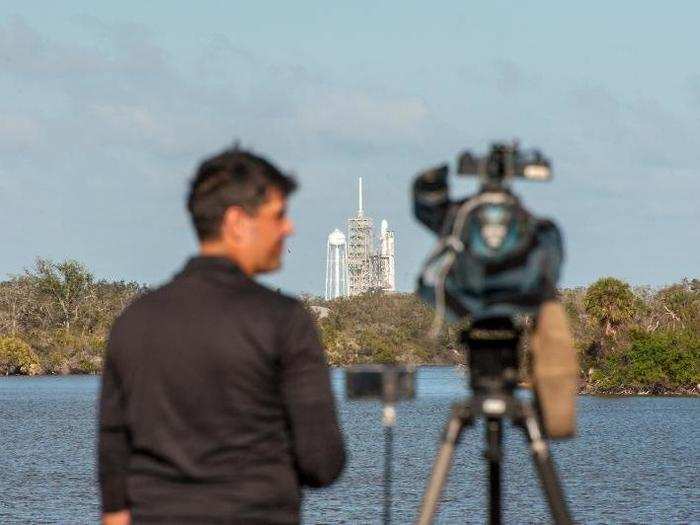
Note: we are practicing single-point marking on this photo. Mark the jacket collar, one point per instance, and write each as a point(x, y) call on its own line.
point(213, 266)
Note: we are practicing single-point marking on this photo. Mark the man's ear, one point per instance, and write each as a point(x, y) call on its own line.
point(234, 223)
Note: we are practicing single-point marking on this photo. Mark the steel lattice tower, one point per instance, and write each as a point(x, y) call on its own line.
point(360, 251)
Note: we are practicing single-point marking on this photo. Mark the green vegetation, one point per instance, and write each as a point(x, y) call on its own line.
point(637, 340)
point(610, 302)
point(653, 362)
point(629, 340)
point(55, 318)
point(17, 357)
point(380, 328)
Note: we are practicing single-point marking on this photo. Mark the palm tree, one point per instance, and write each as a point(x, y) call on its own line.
point(610, 302)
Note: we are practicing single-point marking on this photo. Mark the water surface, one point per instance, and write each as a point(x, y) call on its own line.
point(635, 460)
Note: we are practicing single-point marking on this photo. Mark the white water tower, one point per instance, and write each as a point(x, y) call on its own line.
point(336, 266)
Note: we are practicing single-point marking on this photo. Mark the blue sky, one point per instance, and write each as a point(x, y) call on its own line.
point(105, 110)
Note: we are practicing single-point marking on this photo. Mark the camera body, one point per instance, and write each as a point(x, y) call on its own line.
point(494, 257)
point(493, 356)
point(496, 262)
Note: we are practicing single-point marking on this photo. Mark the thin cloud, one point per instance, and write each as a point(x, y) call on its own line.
point(120, 123)
point(693, 88)
point(25, 52)
point(126, 92)
point(18, 133)
point(510, 78)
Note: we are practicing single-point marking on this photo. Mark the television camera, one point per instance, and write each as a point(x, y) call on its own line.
point(494, 270)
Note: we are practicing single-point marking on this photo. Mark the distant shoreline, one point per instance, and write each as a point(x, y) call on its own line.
point(585, 389)
point(55, 319)
point(631, 392)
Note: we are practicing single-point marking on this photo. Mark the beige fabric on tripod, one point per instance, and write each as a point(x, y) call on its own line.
point(555, 370)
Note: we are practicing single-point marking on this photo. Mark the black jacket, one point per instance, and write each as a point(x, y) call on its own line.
point(216, 404)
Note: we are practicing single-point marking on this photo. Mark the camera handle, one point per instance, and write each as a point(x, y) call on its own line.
point(494, 409)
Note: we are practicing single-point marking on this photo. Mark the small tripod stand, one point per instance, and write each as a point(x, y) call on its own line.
point(493, 362)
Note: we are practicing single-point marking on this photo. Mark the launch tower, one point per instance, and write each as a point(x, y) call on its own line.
point(360, 251)
point(355, 267)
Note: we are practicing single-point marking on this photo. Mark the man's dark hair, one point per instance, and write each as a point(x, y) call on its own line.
point(234, 177)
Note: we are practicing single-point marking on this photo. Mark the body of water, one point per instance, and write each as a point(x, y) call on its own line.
point(635, 459)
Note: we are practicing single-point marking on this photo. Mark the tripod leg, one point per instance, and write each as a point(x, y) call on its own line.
point(546, 471)
point(494, 439)
point(440, 469)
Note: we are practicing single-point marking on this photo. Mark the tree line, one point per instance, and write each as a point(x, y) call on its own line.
point(629, 340)
point(55, 319)
point(639, 339)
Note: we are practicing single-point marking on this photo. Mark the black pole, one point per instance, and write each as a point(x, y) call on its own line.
point(388, 421)
point(388, 448)
point(494, 437)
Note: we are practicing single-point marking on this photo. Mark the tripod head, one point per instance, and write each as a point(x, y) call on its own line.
point(492, 346)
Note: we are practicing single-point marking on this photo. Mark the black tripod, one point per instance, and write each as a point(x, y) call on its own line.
point(493, 362)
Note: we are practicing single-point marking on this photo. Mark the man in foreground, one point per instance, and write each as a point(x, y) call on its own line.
point(216, 404)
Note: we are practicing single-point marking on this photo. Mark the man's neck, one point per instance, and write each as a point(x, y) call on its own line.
point(217, 249)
